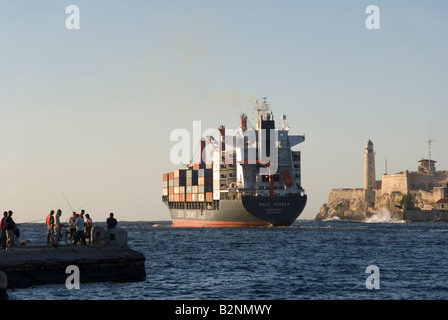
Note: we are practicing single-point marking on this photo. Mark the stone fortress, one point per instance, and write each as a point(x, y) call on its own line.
point(420, 195)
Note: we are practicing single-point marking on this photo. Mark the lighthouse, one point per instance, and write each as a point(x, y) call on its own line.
point(369, 167)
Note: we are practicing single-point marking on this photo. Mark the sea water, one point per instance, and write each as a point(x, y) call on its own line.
point(308, 260)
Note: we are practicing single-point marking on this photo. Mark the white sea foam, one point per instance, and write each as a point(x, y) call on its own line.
point(383, 215)
point(333, 219)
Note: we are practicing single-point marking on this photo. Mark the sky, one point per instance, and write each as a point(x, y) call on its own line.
point(86, 114)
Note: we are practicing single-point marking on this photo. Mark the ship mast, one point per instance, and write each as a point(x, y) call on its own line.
point(260, 111)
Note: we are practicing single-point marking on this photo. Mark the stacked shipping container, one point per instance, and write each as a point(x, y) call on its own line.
point(205, 185)
point(193, 185)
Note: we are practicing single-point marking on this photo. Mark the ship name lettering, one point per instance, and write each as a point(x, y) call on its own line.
point(281, 204)
point(275, 204)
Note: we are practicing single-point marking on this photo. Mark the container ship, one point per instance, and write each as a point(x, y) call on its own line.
point(253, 180)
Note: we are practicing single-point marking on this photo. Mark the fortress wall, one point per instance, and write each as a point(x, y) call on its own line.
point(353, 199)
point(337, 195)
point(425, 181)
point(439, 193)
point(395, 182)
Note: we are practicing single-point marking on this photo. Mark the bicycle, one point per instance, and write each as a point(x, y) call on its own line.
point(67, 235)
point(15, 238)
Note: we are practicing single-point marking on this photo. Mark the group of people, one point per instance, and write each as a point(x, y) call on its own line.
point(80, 227)
point(8, 227)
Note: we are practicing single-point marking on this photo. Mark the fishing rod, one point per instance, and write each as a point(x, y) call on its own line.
point(34, 220)
point(81, 207)
point(67, 201)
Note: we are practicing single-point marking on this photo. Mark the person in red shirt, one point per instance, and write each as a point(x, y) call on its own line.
point(50, 228)
point(3, 230)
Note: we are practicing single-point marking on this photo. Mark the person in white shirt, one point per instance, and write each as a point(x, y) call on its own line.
point(79, 224)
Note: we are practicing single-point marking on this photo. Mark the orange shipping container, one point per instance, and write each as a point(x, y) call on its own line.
point(171, 175)
point(189, 197)
point(209, 196)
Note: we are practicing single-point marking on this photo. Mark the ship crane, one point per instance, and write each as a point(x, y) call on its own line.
point(211, 142)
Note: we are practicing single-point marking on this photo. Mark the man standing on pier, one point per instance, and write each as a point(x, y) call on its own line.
point(50, 228)
point(3, 230)
point(111, 221)
point(79, 224)
point(10, 226)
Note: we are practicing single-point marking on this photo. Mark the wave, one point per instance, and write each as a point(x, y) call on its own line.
point(383, 215)
point(333, 219)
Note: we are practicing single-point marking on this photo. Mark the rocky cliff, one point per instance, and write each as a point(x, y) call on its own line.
point(361, 204)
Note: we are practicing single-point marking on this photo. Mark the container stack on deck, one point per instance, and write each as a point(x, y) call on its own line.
point(205, 185)
point(192, 185)
point(180, 181)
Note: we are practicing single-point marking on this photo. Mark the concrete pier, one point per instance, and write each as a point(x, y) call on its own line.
point(27, 267)
point(3, 286)
point(108, 258)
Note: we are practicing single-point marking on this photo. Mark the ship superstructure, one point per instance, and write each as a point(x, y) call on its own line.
point(253, 180)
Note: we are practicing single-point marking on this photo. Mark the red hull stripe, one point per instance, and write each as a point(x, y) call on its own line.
point(202, 224)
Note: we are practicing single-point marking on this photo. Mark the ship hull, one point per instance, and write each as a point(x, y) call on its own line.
point(246, 212)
